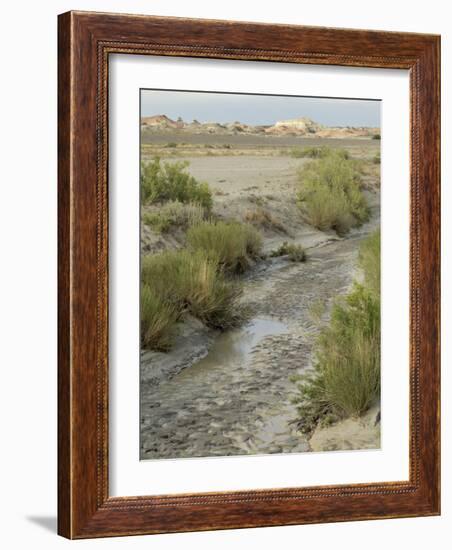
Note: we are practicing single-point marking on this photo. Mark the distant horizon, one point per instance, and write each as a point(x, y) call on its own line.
point(259, 110)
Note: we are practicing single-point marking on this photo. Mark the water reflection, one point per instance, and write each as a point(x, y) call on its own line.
point(233, 347)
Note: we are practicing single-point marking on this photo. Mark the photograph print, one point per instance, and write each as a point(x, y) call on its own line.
point(260, 274)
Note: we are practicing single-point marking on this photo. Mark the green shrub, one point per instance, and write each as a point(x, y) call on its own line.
point(208, 295)
point(232, 244)
point(376, 136)
point(157, 320)
point(369, 261)
point(345, 380)
point(171, 182)
point(295, 252)
point(157, 220)
point(377, 158)
point(330, 195)
point(171, 145)
point(174, 214)
point(346, 376)
point(185, 280)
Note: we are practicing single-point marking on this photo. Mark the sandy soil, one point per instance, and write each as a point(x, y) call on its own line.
point(349, 434)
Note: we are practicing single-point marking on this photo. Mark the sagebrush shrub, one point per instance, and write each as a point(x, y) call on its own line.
point(174, 214)
point(171, 181)
point(178, 281)
point(330, 194)
point(345, 380)
point(157, 320)
point(369, 261)
point(233, 244)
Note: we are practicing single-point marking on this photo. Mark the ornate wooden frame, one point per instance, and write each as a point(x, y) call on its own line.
point(85, 42)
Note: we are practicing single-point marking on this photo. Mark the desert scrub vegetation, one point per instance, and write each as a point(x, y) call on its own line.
point(157, 319)
point(294, 252)
point(174, 214)
point(345, 380)
point(319, 152)
point(170, 181)
point(179, 281)
point(330, 195)
point(233, 245)
point(369, 261)
point(263, 218)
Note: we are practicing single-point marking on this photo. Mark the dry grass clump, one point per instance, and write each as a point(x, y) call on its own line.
point(174, 214)
point(175, 282)
point(263, 218)
point(157, 319)
point(318, 152)
point(369, 261)
point(233, 245)
point(330, 195)
point(294, 252)
point(346, 376)
point(194, 279)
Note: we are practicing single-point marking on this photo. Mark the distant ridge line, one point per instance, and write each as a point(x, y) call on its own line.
point(302, 126)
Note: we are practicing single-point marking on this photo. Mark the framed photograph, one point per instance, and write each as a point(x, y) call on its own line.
point(248, 275)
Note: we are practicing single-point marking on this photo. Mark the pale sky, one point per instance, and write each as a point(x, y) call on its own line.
point(259, 109)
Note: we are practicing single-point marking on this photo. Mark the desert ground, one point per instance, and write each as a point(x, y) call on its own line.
point(229, 393)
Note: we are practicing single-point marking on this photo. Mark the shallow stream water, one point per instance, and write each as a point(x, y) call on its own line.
point(238, 398)
point(230, 349)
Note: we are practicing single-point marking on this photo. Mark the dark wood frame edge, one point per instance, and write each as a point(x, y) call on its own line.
point(85, 42)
